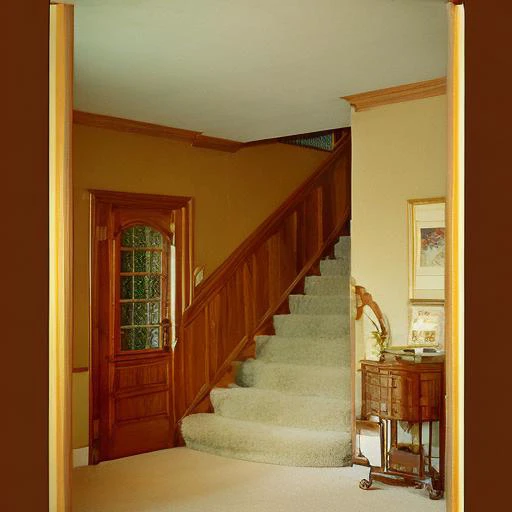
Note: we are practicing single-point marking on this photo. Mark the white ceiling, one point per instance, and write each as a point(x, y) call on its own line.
point(250, 69)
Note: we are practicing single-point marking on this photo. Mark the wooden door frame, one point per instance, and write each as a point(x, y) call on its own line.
point(184, 205)
point(454, 275)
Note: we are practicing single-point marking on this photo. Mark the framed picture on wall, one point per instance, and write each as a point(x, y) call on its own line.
point(427, 243)
point(426, 324)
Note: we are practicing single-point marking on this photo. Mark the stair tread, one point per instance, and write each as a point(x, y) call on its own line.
point(308, 380)
point(299, 338)
point(277, 395)
point(282, 409)
point(298, 367)
point(320, 305)
point(264, 428)
point(310, 350)
point(311, 316)
point(326, 285)
point(324, 326)
point(338, 296)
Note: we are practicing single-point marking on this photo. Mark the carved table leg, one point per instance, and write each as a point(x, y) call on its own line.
point(434, 494)
point(366, 484)
point(435, 489)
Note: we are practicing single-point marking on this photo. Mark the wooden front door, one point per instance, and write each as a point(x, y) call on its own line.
point(138, 277)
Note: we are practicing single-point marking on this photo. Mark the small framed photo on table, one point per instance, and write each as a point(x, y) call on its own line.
point(426, 324)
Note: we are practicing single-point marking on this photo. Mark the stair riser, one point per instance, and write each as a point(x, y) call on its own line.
point(343, 247)
point(314, 325)
point(313, 381)
point(274, 445)
point(283, 410)
point(326, 285)
point(306, 351)
point(319, 305)
point(338, 267)
point(333, 455)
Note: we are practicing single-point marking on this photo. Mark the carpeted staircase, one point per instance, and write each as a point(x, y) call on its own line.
point(291, 405)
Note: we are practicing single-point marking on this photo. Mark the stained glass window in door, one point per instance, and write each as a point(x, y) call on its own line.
point(140, 284)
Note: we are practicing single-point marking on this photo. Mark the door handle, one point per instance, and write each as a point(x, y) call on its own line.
point(166, 328)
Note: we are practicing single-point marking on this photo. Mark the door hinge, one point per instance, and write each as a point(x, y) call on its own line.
point(101, 233)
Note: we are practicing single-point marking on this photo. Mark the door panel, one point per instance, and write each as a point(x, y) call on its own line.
point(134, 267)
point(132, 378)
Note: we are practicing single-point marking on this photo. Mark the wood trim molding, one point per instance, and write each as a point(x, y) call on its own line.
point(140, 200)
point(60, 283)
point(130, 126)
point(398, 94)
point(204, 141)
point(197, 139)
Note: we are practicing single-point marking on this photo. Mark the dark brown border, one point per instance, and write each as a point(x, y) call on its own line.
point(488, 348)
point(488, 250)
point(24, 170)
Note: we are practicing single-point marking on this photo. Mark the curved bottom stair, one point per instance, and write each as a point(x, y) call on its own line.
point(261, 442)
point(291, 404)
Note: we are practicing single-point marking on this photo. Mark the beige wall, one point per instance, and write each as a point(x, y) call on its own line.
point(399, 153)
point(233, 193)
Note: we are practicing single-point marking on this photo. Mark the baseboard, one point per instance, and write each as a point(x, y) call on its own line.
point(80, 457)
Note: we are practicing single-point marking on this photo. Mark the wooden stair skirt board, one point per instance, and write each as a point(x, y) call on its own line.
point(239, 300)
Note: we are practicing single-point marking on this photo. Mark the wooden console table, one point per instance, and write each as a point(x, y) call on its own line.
point(410, 393)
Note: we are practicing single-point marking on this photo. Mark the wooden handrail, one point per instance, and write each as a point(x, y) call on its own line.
point(238, 300)
point(217, 278)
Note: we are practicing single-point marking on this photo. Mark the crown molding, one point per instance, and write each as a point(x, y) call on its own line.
point(196, 139)
point(204, 141)
point(398, 94)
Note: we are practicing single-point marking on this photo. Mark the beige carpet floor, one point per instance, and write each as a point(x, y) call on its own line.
point(183, 480)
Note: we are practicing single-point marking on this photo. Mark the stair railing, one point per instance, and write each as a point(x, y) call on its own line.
point(237, 301)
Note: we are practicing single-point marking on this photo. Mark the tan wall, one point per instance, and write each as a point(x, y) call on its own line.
point(233, 194)
point(399, 153)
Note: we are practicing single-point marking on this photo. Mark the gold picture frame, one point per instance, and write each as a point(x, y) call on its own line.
point(426, 248)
